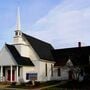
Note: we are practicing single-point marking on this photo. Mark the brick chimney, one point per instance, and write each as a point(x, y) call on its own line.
point(79, 44)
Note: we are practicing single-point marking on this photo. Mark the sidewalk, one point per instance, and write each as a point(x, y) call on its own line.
point(51, 85)
point(2, 88)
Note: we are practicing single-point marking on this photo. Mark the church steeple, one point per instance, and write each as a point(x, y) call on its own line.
point(18, 25)
point(18, 38)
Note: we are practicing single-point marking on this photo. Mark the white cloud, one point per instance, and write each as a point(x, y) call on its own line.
point(66, 24)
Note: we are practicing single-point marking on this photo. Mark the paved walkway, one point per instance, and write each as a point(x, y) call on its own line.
point(2, 88)
point(52, 85)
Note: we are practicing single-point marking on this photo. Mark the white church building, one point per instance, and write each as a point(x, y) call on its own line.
point(26, 58)
point(29, 58)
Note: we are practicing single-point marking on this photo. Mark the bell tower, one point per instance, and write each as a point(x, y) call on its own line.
point(18, 41)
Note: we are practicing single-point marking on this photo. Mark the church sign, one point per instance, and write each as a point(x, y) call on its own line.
point(31, 76)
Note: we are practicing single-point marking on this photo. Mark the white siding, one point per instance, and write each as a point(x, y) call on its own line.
point(63, 72)
point(6, 58)
point(18, 40)
point(25, 49)
point(42, 71)
point(27, 69)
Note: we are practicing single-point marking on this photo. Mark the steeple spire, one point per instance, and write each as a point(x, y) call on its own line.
point(18, 25)
point(18, 32)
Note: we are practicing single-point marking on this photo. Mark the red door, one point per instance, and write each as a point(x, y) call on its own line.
point(9, 75)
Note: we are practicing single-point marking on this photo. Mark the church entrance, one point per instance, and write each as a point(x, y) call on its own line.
point(71, 75)
point(9, 75)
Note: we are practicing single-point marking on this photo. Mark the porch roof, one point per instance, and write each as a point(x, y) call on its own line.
point(18, 58)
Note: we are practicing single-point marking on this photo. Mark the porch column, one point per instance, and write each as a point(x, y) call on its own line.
point(17, 74)
point(11, 73)
point(1, 73)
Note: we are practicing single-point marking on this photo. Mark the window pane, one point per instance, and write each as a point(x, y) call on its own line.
point(16, 33)
point(59, 73)
point(27, 76)
point(18, 71)
point(51, 70)
point(46, 68)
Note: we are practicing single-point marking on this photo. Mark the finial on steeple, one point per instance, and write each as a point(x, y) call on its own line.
point(18, 25)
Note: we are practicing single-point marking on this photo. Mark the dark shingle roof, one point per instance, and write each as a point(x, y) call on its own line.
point(78, 55)
point(19, 59)
point(42, 48)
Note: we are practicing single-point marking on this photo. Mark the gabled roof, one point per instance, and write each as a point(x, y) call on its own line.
point(78, 55)
point(42, 48)
point(19, 59)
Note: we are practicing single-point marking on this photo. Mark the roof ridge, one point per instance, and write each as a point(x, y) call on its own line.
point(72, 48)
point(38, 39)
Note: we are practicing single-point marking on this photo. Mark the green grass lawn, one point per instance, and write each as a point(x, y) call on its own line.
point(76, 85)
point(37, 84)
point(72, 85)
point(53, 88)
point(69, 85)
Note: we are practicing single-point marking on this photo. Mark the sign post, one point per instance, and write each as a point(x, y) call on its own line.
point(33, 77)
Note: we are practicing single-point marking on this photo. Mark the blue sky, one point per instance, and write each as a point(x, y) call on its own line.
point(31, 11)
point(61, 22)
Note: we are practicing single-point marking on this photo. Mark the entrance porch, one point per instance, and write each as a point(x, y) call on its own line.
point(9, 73)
